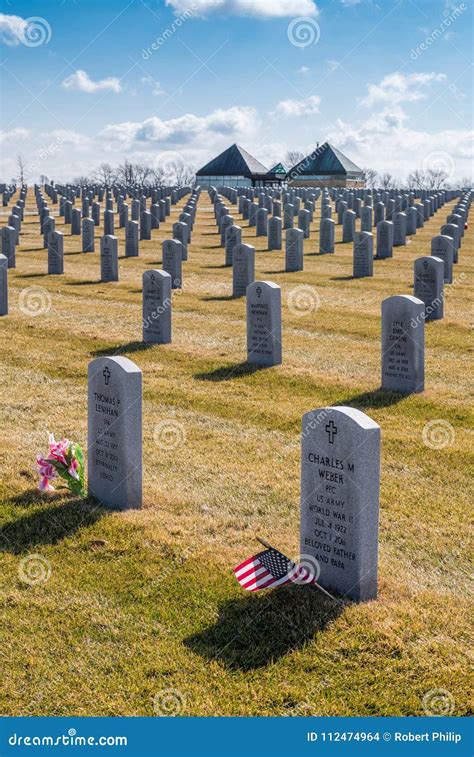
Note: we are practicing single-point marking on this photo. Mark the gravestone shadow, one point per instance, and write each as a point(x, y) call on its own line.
point(83, 283)
point(49, 525)
point(220, 298)
point(31, 275)
point(374, 399)
point(229, 372)
point(123, 349)
point(341, 278)
point(255, 631)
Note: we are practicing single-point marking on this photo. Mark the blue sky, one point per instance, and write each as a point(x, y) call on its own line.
point(388, 82)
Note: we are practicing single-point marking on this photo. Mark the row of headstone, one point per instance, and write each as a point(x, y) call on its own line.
point(340, 464)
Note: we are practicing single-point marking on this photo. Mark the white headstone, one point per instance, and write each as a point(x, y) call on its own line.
point(340, 485)
point(264, 323)
point(403, 344)
point(115, 432)
point(156, 307)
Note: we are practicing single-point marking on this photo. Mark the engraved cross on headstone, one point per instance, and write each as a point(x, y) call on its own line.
point(106, 375)
point(331, 431)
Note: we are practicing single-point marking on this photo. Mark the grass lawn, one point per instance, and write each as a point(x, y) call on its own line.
point(140, 613)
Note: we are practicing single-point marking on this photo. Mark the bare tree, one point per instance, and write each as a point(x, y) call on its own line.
point(142, 172)
point(21, 168)
point(126, 172)
point(465, 182)
point(105, 174)
point(417, 179)
point(436, 178)
point(292, 158)
point(43, 179)
point(370, 177)
point(81, 180)
point(184, 175)
point(387, 181)
point(158, 175)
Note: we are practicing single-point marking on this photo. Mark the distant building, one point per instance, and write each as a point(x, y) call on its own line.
point(234, 167)
point(277, 174)
point(326, 167)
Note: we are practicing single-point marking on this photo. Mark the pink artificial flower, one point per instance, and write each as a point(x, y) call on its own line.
point(73, 468)
point(47, 474)
point(58, 450)
point(45, 486)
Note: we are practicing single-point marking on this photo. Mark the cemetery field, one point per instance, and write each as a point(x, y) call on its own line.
point(139, 613)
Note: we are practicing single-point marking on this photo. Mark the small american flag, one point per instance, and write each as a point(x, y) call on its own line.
point(270, 568)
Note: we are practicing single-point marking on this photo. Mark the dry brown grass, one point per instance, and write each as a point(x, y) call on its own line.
point(116, 623)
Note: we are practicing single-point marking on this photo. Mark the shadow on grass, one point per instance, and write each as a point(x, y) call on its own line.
point(31, 275)
point(255, 631)
point(341, 278)
point(273, 273)
point(83, 283)
point(48, 525)
point(122, 349)
point(377, 398)
point(221, 298)
point(228, 372)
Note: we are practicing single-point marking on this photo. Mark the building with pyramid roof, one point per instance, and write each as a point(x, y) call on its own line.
point(234, 167)
point(326, 166)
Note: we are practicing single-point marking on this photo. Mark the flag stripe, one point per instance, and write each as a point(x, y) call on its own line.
point(248, 570)
point(260, 574)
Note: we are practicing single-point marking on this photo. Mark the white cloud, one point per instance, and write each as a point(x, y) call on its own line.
point(11, 28)
point(156, 88)
point(257, 8)
point(306, 107)
point(14, 135)
point(348, 3)
point(397, 87)
point(303, 71)
point(387, 141)
point(81, 81)
point(232, 124)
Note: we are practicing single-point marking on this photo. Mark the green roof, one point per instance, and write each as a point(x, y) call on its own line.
point(279, 168)
point(325, 160)
point(235, 161)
